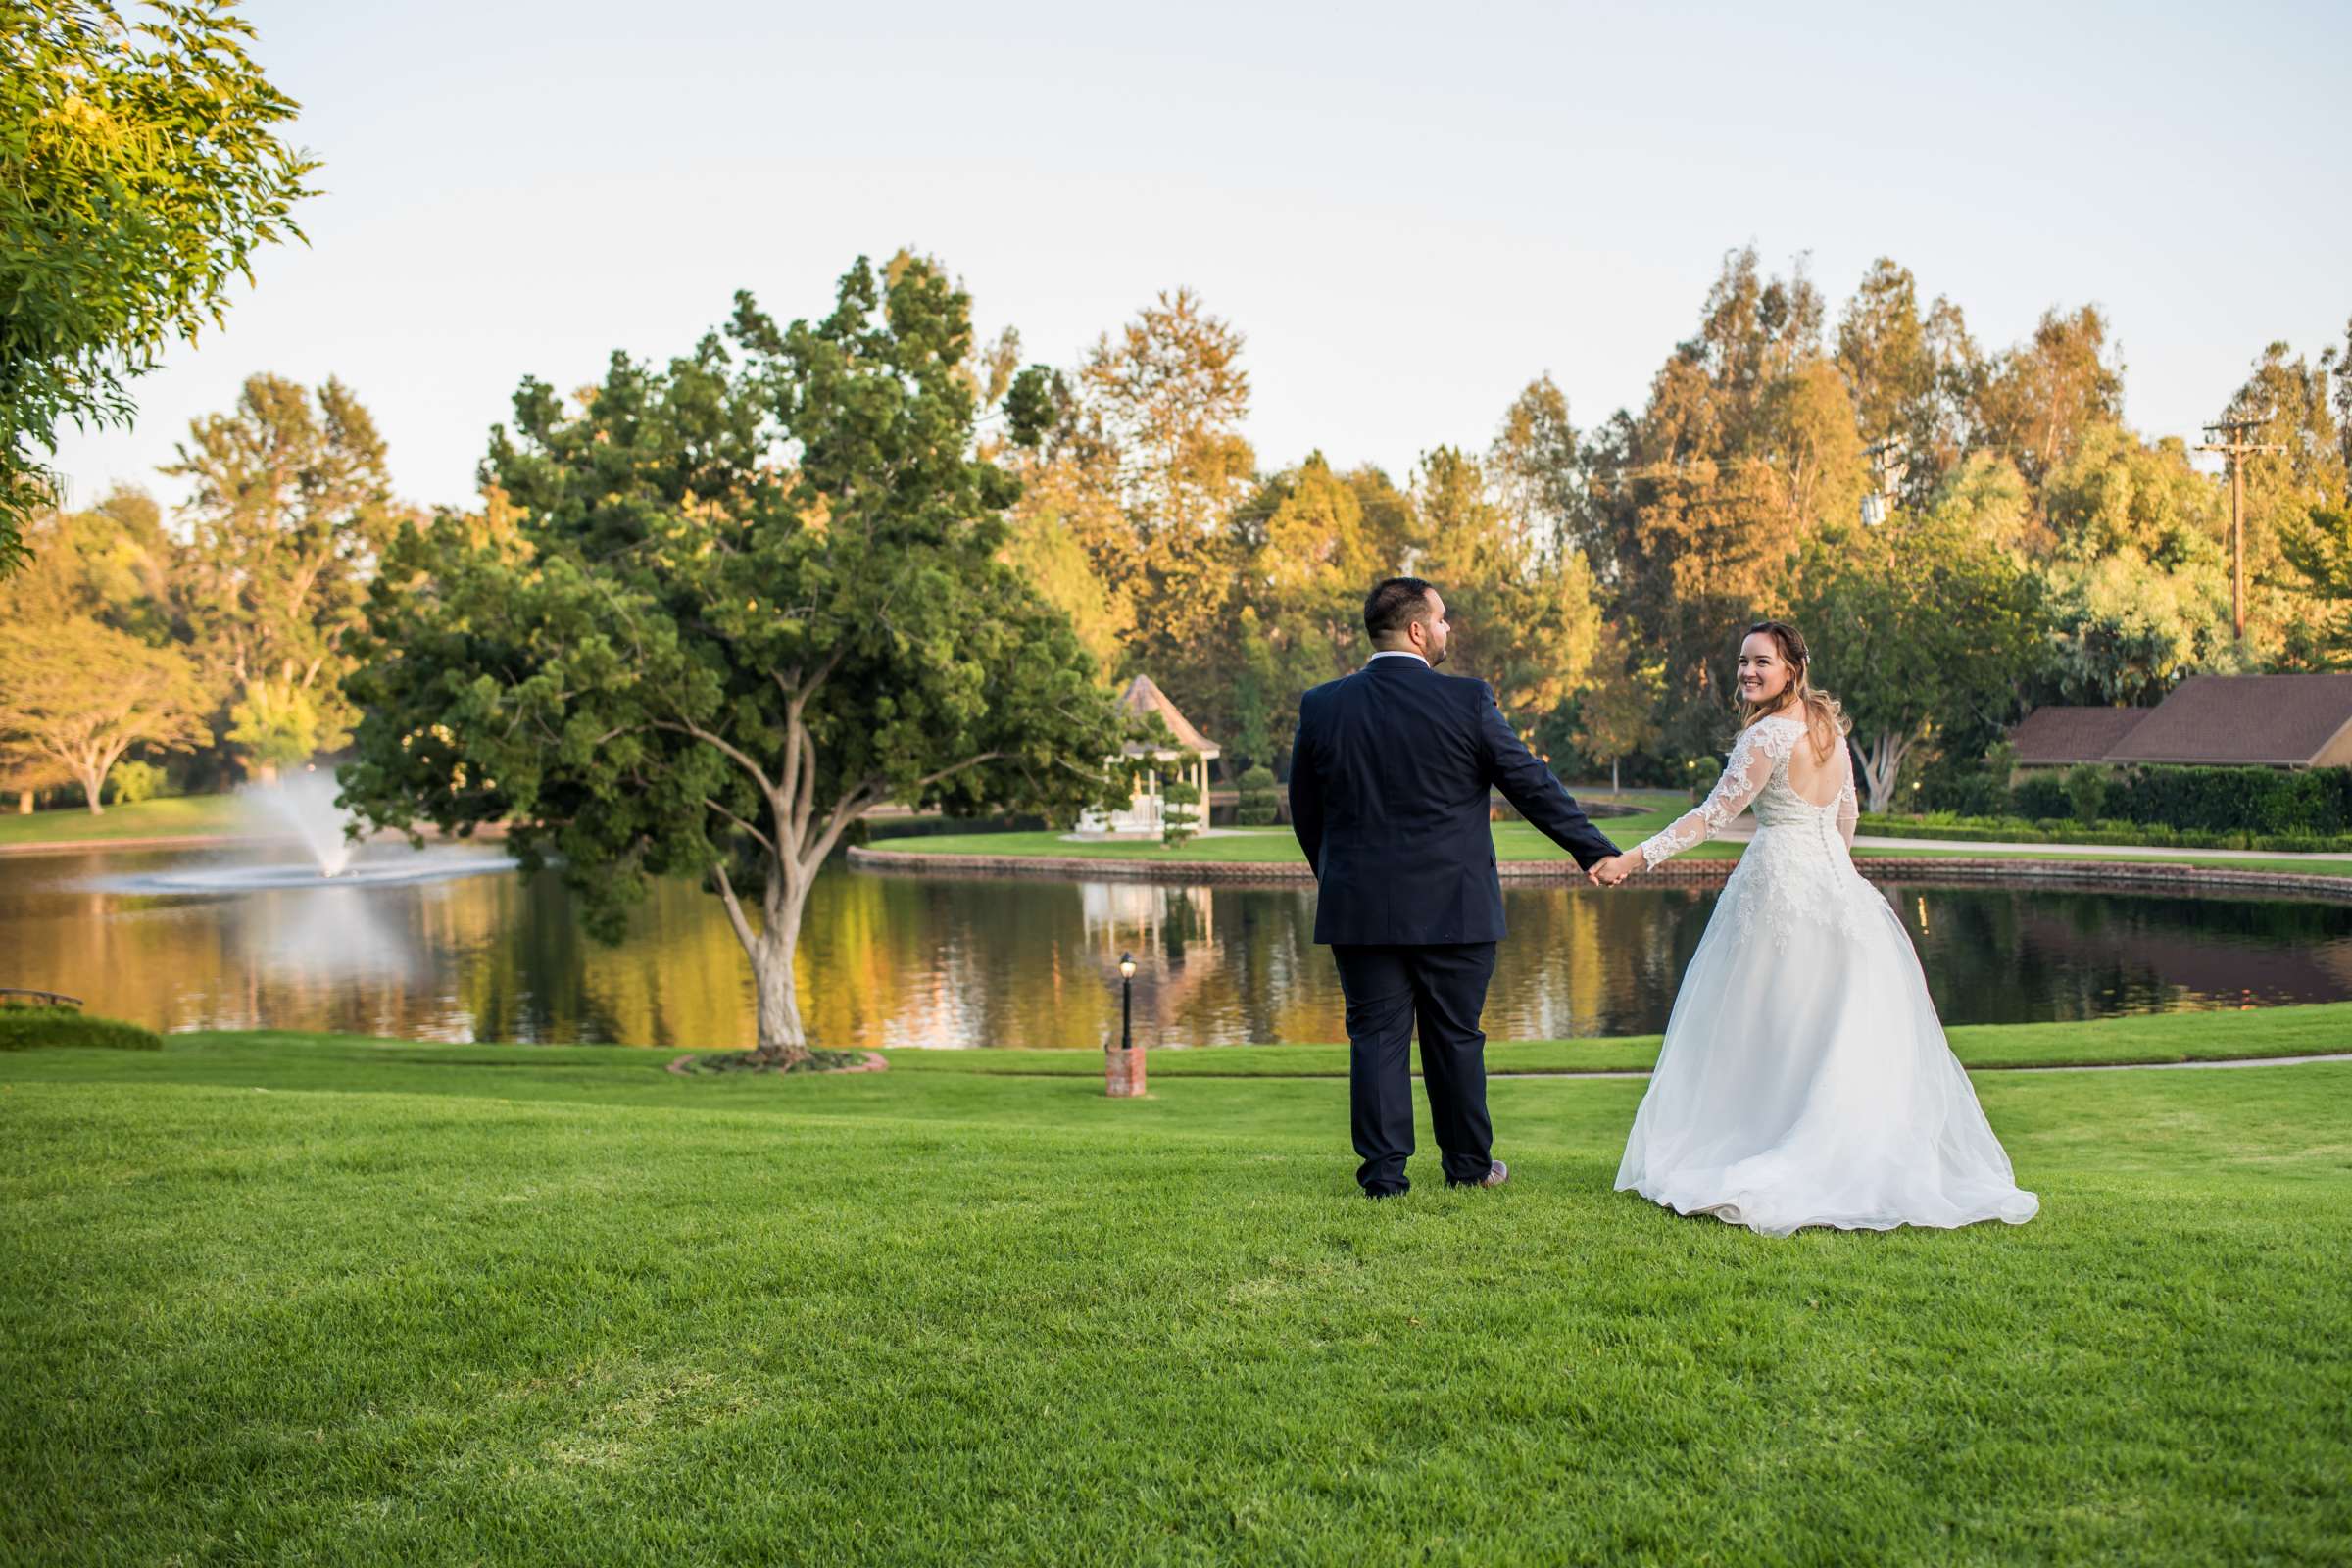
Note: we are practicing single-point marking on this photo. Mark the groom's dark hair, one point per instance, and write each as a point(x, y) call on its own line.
point(1394, 605)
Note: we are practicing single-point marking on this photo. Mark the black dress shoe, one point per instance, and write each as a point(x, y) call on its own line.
point(1496, 1174)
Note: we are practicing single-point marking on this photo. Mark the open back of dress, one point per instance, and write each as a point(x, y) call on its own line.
point(1805, 1078)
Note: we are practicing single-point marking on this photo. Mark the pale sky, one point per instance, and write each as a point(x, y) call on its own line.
point(1410, 212)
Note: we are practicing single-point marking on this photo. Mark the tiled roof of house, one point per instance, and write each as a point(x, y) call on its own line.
point(2050, 737)
point(2281, 720)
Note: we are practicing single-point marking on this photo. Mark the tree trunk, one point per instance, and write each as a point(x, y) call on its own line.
point(783, 1041)
point(266, 773)
point(23, 803)
point(1613, 776)
point(1881, 766)
point(93, 785)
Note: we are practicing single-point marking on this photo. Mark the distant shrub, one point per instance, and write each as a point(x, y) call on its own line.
point(2040, 795)
point(26, 1028)
point(1258, 806)
point(133, 782)
point(2086, 793)
point(1704, 772)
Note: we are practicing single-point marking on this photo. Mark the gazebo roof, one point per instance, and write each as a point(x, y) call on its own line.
point(1143, 698)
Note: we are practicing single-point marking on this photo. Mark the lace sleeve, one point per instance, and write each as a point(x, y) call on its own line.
point(1850, 810)
point(1743, 777)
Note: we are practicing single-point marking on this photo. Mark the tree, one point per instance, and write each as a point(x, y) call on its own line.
point(736, 603)
point(2288, 399)
point(1169, 395)
point(1914, 379)
point(1538, 478)
point(1614, 714)
point(78, 694)
point(144, 172)
point(1392, 527)
point(1917, 628)
point(291, 509)
point(1528, 626)
point(24, 772)
point(1061, 513)
point(1161, 404)
point(2040, 396)
point(2137, 584)
point(1310, 560)
point(2317, 550)
point(1745, 449)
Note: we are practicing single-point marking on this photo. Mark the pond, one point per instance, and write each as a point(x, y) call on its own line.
point(894, 959)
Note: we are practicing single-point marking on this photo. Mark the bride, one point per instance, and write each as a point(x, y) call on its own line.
point(1804, 1079)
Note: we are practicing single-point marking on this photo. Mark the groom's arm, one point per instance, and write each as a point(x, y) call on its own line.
point(1307, 799)
point(1530, 786)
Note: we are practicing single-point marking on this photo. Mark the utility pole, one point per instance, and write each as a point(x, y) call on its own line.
point(2238, 449)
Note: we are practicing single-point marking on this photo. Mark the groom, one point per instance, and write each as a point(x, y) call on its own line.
point(1388, 781)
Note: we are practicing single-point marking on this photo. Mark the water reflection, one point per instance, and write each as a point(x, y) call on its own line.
point(899, 961)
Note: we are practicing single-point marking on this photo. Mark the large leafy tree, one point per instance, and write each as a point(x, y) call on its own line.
point(2138, 583)
point(291, 508)
point(1536, 470)
point(1745, 450)
point(75, 696)
point(721, 610)
point(2317, 550)
point(88, 667)
point(144, 169)
point(2287, 396)
point(1915, 379)
point(1614, 713)
point(1525, 617)
point(1919, 627)
point(1161, 404)
point(2041, 397)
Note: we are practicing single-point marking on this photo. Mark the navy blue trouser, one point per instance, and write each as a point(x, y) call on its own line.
point(1389, 990)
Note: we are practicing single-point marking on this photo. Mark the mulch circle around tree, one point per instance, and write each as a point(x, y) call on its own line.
point(818, 1061)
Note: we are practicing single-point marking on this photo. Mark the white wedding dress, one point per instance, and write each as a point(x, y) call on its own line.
point(1805, 1079)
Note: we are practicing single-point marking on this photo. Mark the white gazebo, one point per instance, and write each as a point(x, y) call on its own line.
point(1146, 814)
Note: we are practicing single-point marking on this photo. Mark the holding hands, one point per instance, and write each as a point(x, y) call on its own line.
point(1609, 872)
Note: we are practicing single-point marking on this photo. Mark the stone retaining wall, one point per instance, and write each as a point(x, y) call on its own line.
point(1683, 872)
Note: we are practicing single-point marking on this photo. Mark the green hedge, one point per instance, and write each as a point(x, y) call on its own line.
point(24, 1028)
point(2064, 830)
point(2252, 799)
point(872, 828)
point(2266, 800)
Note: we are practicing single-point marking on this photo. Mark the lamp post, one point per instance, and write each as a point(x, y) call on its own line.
point(1124, 1069)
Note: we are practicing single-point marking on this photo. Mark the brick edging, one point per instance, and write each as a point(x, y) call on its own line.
point(1680, 871)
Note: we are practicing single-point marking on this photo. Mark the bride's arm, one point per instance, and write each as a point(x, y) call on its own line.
point(1743, 777)
point(1850, 810)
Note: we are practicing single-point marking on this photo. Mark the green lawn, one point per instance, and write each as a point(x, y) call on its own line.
point(2320, 1029)
point(1255, 846)
point(275, 1299)
point(166, 819)
point(1516, 841)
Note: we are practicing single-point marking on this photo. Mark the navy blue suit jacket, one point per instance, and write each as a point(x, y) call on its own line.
point(1389, 785)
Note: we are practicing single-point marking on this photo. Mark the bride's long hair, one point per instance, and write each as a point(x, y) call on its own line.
point(1826, 723)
